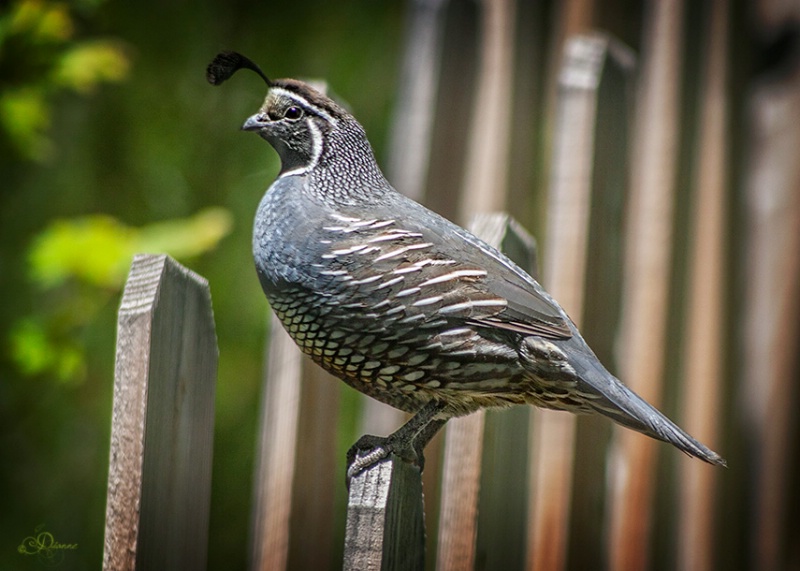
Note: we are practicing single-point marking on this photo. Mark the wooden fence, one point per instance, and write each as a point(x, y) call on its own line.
point(673, 244)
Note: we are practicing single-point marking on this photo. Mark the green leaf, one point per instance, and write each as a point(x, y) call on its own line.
point(24, 116)
point(70, 366)
point(44, 21)
point(31, 349)
point(38, 351)
point(84, 66)
point(97, 250)
point(186, 238)
point(94, 249)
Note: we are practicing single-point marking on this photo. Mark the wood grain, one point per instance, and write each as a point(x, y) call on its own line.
point(159, 484)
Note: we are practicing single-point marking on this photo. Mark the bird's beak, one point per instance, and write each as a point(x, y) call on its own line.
point(254, 123)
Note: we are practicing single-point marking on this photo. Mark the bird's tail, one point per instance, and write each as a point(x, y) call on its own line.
point(610, 397)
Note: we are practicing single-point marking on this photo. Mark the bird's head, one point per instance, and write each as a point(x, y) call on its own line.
point(295, 118)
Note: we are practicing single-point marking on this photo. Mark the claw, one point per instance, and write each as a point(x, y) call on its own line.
point(407, 442)
point(362, 462)
point(370, 450)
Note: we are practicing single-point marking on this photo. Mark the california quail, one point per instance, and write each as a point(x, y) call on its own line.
point(402, 304)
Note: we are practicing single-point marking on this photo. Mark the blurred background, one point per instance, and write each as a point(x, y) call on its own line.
point(112, 143)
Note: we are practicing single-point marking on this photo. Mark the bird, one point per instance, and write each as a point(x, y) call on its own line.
point(402, 304)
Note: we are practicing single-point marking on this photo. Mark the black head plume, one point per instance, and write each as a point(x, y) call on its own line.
point(225, 64)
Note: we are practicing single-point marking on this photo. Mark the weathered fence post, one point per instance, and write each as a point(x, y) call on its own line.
point(159, 481)
point(299, 405)
point(483, 189)
point(410, 142)
point(385, 520)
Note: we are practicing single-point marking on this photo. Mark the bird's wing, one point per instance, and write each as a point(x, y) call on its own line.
point(529, 310)
point(440, 271)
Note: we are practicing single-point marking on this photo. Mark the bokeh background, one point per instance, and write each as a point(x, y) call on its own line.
point(112, 142)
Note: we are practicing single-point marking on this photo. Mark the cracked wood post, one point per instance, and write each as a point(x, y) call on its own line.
point(162, 426)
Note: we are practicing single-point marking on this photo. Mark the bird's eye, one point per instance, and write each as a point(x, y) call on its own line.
point(293, 113)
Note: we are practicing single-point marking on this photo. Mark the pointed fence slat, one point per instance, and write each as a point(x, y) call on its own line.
point(162, 424)
point(483, 190)
point(412, 126)
point(461, 473)
point(503, 501)
point(305, 461)
point(308, 416)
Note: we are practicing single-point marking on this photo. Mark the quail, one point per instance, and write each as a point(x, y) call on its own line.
point(402, 304)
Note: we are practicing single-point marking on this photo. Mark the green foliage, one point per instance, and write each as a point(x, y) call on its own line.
point(89, 63)
point(92, 249)
point(40, 58)
point(37, 351)
point(79, 265)
point(164, 146)
point(97, 250)
point(185, 238)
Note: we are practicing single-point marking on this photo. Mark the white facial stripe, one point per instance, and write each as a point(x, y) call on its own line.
point(316, 151)
point(305, 103)
point(316, 137)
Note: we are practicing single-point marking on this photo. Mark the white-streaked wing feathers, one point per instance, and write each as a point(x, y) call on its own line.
point(426, 277)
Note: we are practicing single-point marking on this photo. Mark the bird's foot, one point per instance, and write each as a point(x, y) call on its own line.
point(370, 450)
point(407, 442)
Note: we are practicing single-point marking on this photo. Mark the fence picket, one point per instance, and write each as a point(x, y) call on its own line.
point(385, 528)
point(159, 481)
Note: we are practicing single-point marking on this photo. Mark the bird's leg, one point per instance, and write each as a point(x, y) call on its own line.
point(407, 442)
